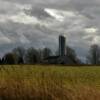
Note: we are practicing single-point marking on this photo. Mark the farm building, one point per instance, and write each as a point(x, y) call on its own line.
point(61, 58)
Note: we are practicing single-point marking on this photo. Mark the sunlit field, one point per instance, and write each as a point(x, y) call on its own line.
point(40, 82)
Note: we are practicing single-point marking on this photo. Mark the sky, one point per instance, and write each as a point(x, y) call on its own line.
point(38, 23)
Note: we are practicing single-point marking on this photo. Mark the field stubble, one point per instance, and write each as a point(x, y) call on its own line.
point(49, 83)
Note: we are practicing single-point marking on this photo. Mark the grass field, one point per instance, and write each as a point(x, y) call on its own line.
point(49, 83)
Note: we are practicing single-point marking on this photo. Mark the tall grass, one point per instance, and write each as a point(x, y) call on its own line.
point(49, 83)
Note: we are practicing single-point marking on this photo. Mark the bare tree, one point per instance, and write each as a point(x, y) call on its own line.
point(94, 54)
point(46, 52)
point(71, 52)
point(9, 58)
point(19, 52)
point(31, 56)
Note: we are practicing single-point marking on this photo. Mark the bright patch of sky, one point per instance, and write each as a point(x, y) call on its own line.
point(91, 30)
point(59, 15)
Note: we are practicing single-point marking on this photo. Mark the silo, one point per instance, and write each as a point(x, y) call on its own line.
point(62, 45)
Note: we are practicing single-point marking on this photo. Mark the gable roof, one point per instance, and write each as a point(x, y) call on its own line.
point(60, 60)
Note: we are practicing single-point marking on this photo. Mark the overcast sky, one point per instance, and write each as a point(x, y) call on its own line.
point(38, 23)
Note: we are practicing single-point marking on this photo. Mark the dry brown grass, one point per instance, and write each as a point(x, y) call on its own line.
point(49, 83)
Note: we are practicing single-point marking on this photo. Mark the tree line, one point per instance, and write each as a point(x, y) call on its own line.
point(31, 55)
point(21, 55)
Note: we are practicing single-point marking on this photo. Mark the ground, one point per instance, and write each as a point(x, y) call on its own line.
point(38, 82)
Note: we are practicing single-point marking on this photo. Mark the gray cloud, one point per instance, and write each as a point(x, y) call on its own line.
point(39, 22)
point(37, 12)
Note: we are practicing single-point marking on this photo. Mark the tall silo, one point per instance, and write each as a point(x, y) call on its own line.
point(62, 45)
